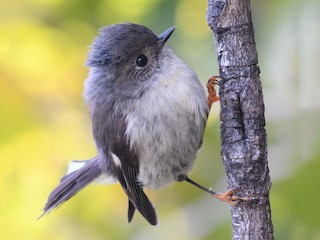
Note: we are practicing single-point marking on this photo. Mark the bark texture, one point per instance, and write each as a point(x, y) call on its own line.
point(243, 135)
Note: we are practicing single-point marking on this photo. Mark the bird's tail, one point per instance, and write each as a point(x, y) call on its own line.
point(72, 183)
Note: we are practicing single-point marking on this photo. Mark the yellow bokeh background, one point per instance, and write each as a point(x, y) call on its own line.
point(44, 123)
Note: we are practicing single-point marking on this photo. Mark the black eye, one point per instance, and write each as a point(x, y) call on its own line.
point(142, 61)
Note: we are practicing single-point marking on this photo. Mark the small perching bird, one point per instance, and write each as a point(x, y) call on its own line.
point(148, 112)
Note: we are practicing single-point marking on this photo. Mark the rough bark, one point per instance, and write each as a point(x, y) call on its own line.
point(243, 135)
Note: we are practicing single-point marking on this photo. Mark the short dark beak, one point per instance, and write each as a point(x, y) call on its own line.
point(163, 37)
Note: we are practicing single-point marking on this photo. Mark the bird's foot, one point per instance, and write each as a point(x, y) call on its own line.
point(231, 199)
point(212, 96)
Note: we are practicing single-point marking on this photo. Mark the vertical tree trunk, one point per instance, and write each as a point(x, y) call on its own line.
point(243, 136)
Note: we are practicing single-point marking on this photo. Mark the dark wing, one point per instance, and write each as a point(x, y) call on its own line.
point(111, 139)
point(131, 210)
point(127, 177)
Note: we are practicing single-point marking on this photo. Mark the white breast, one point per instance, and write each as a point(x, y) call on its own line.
point(158, 124)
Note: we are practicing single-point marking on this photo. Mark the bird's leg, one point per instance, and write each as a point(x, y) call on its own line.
point(227, 197)
point(212, 93)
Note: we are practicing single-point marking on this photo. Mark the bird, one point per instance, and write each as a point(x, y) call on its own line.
point(148, 111)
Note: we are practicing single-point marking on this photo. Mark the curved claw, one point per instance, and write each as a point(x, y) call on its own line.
point(232, 200)
point(212, 96)
point(228, 197)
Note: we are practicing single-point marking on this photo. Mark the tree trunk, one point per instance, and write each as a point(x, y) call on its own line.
point(243, 136)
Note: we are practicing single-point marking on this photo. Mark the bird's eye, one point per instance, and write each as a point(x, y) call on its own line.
point(142, 61)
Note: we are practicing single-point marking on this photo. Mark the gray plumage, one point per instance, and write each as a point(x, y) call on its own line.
point(148, 116)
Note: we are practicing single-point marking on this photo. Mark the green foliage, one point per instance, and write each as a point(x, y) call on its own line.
point(294, 200)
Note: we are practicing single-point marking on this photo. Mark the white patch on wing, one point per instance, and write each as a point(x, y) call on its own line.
point(116, 160)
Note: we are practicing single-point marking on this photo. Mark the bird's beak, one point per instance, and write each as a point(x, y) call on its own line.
point(163, 37)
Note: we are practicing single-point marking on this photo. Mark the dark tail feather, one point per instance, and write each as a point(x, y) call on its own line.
point(72, 184)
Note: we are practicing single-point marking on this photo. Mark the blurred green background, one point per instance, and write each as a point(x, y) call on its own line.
point(44, 122)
